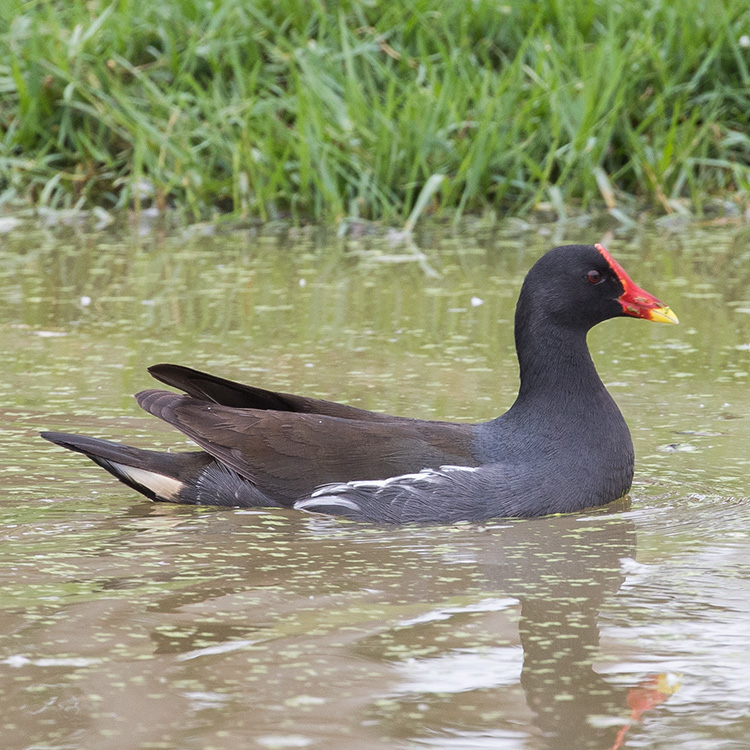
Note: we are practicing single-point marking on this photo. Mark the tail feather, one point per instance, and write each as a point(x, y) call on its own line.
point(158, 476)
point(211, 388)
point(218, 390)
point(194, 478)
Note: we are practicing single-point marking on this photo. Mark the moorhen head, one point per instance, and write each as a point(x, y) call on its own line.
point(563, 445)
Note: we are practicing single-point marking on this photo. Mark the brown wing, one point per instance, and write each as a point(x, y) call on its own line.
point(202, 385)
point(287, 455)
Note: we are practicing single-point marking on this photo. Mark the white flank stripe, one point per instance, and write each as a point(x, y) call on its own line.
point(331, 494)
point(450, 467)
point(315, 502)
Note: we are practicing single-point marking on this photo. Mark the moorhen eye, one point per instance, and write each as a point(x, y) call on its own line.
point(594, 277)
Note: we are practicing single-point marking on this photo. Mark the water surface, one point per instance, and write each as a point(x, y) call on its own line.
point(130, 624)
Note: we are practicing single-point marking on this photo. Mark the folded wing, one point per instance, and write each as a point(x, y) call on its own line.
point(290, 454)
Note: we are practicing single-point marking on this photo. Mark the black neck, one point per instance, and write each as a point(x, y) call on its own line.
point(555, 365)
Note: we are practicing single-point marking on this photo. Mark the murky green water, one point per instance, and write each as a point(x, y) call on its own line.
point(125, 624)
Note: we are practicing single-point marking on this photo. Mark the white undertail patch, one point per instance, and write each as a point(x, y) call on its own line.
point(165, 488)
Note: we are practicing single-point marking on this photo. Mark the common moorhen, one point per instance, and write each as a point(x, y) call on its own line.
point(563, 445)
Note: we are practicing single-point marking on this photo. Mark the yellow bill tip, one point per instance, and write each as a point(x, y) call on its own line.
point(662, 315)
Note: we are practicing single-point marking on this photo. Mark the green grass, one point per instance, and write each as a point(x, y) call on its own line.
point(322, 110)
